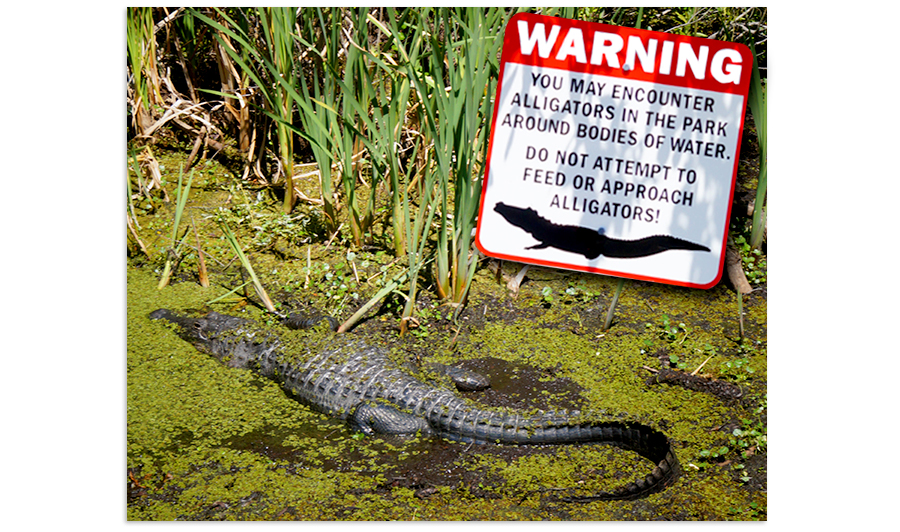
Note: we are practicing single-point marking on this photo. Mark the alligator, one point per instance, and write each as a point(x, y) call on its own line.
point(359, 384)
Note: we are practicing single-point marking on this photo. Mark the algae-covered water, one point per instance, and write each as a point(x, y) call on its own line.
point(205, 442)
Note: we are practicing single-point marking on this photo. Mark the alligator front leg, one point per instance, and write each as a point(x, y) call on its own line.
point(374, 417)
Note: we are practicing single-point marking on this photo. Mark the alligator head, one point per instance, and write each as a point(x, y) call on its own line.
point(228, 338)
point(202, 329)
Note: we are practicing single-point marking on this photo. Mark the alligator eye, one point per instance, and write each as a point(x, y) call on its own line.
point(199, 327)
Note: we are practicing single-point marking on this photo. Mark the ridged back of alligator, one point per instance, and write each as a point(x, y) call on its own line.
point(337, 380)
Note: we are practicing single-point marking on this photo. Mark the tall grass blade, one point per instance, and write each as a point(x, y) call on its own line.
point(131, 220)
point(395, 92)
point(389, 287)
point(417, 238)
point(202, 274)
point(141, 48)
point(393, 96)
point(137, 170)
point(613, 303)
point(278, 23)
point(181, 198)
point(454, 93)
point(268, 64)
point(172, 253)
point(245, 262)
point(757, 101)
point(228, 293)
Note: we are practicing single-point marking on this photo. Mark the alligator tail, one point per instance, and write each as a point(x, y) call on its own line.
point(647, 442)
point(551, 429)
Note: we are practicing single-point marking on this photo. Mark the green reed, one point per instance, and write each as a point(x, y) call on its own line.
point(454, 89)
point(612, 305)
point(265, 61)
point(399, 101)
point(411, 218)
point(172, 253)
point(756, 99)
point(245, 263)
point(344, 94)
point(141, 48)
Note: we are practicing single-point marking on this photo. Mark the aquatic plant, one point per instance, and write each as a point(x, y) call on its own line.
point(756, 100)
point(245, 263)
point(458, 111)
point(265, 61)
point(612, 304)
point(173, 250)
point(142, 60)
point(394, 106)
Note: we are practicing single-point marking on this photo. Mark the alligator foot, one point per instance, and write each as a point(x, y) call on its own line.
point(379, 418)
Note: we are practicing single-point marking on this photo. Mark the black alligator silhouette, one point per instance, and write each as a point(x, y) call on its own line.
point(359, 384)
point(586, 241)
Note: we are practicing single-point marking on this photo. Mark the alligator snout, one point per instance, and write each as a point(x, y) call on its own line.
point(162, 314)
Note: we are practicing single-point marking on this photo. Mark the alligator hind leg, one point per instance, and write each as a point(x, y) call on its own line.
point(380, 418)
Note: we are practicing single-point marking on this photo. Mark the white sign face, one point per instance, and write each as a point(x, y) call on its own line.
point(613, 150)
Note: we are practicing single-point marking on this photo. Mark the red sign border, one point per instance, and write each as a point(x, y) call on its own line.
point(510, 54)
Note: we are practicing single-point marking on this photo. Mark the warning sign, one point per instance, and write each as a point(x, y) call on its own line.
point(613, 150)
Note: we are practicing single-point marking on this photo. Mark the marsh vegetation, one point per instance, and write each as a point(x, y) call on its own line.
point(330, 160)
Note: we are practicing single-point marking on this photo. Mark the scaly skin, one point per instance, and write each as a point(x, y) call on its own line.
point(359, 384)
